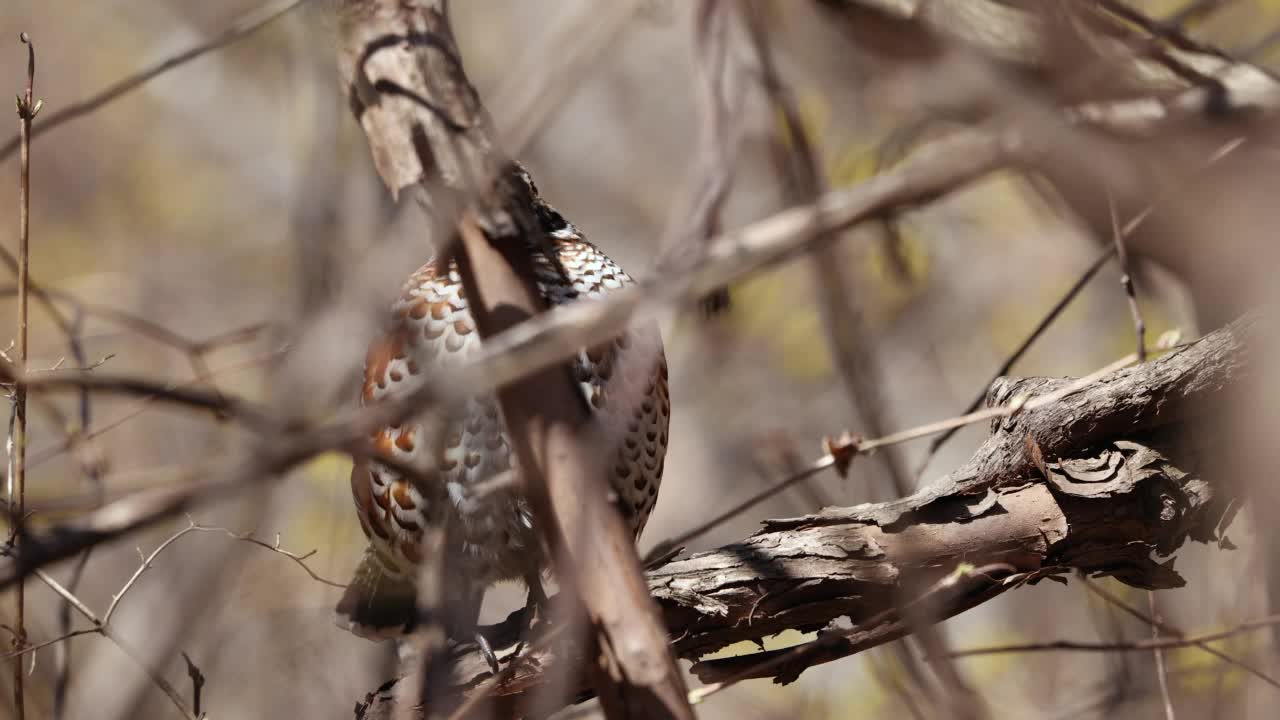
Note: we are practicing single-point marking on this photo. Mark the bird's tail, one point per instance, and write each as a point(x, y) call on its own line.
point(378, 604)
point(381, 602)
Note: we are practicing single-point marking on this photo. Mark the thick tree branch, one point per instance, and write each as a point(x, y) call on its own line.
point(1106, 481)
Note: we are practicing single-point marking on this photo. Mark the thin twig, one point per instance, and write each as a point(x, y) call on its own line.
point(664, 548)
point(1116, 602)
point(102, 624)
point(1165, 643)
point(1126, 277)
point(845, 449)
point(147, 560)
point(425, 667)
point(193, 526)
point(102, 628)
point(843, 321)
point(1168, 29)
point(27, 109)
point(301, 560)
point(1162, 672)
point(197, 683)
point(53, 641)
point(720, 137)
point(1045, 322)
point(77, 433)
point(1072, 292)
point(48, 453)
point(196, 351)
point(62, 655)
point(1262, 45)
point(245, 26)
point(1013, 407)
point(72, 329)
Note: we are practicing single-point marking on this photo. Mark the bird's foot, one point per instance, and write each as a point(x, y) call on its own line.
point(478, 643)
point(534, 613)
point(486, 651)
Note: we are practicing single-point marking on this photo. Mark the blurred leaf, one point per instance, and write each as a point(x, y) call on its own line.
point(815, 118)
point(777, 309)
point(325, 467)
point(887, 261)
point(1009, 321)
point(1196, 671)
point(851, 164)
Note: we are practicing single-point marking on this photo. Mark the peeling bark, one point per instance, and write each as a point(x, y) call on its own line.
point(1115, 490)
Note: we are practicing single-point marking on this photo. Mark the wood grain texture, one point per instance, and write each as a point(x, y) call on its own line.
point(1124, 490)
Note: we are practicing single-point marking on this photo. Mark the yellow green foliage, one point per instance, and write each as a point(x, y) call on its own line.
point(777, 308)
point(1198, 672)
point(326, 519)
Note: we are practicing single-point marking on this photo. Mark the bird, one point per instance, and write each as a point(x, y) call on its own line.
point(624, 382)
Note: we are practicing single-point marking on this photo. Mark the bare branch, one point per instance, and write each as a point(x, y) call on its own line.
point(1103, 593)
point(299, 560)
point(28, 106)
point(102, 628)
point(197, 684)
point(1162, 672)
point(1146, 645)
point(243, 27)
point(1044, 324)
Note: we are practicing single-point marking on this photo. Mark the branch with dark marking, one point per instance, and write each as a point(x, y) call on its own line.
point(1114, 487)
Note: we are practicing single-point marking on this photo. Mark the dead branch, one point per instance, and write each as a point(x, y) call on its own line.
point(17, 441)
point(101, 623)
point(1113, 487)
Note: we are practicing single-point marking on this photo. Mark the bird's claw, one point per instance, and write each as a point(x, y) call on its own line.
point(486, 651)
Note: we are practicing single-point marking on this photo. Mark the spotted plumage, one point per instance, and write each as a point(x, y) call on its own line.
point(623, 381)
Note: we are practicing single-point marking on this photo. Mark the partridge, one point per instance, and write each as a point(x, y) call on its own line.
point(624, 382)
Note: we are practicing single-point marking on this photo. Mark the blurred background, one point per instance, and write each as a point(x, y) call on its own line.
point(223, 224)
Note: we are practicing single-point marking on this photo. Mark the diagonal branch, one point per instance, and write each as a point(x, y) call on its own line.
point(1117, 491)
